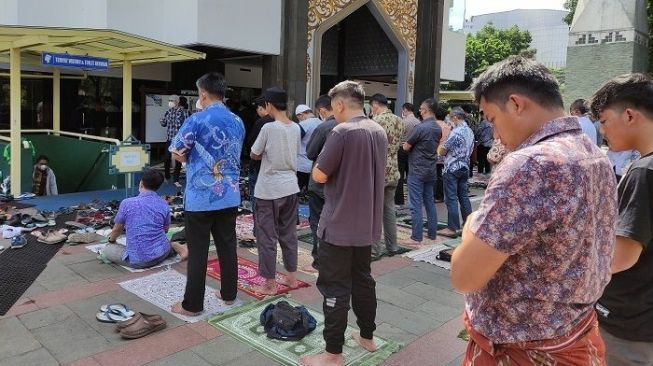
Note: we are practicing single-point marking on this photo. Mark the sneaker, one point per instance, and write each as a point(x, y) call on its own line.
point(18, 242)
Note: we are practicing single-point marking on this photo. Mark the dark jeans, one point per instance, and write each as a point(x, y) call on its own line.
point(315, 205)
point(276, 224)
point(456, 191)
point(345, 274)
point(302, 181)
point(439, 186)
point(252, 177)
point(402, 159)
point(166, 166)
point(199, 226)
point(484, 166)
point(420, 194)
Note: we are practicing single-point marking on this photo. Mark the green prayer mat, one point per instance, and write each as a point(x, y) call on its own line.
point(306, 237)
point(244, 324)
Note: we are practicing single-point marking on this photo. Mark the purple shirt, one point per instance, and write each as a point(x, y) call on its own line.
point(145, 218)
point(551, 206)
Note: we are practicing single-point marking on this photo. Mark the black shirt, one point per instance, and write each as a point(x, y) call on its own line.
point(253, 135)
point(626, 307)
point(314, 148)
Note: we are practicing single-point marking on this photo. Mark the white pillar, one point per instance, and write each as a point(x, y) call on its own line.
point(126, 99)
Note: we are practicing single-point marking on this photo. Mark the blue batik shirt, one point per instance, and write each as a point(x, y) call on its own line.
point(485, 133)
point(213, 140)
point(146, 218)
point(459, 146)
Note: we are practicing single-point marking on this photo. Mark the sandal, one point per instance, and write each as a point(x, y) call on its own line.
point(149, 317)
point(121, 309)
point(142, 327)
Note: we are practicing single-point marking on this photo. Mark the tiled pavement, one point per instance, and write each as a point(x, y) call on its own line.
point(54, 323)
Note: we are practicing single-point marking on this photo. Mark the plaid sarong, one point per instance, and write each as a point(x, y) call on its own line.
point(582, 346)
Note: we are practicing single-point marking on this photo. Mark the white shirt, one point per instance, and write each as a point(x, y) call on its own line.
point(304, 164)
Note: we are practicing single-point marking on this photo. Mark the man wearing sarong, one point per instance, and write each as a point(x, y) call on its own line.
point(536, 255)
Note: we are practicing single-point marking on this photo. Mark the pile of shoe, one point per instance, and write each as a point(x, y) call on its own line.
point(176, 207)
point(50, 236)
point(130, 324)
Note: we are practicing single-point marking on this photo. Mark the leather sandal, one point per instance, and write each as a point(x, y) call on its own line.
point(142, 327)
point(153, 318)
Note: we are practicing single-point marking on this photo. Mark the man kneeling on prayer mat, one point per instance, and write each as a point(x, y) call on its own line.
point(145, 219)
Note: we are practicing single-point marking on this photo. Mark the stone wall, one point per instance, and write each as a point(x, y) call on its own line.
point(589, 67)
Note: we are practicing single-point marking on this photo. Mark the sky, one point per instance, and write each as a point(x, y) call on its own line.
point(477, 7)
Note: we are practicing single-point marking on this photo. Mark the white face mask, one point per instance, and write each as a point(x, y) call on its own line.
point(43, 166)
point(198, 105)
point(171, 104)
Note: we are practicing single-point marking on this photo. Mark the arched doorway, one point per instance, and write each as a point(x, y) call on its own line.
point(359, 42)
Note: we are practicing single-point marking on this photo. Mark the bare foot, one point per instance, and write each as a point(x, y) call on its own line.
point(309, 268)
point(323, 359)
point(181, 249)
point(178, 309)
point(270, 288)
point(290, 280)
point(411, 243)
point(231, 302)
point(368, 344)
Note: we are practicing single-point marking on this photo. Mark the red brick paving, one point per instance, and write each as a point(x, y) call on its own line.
point(387, 265)
point(205, 329)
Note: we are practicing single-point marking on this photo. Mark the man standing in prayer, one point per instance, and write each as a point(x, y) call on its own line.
point(210, 143)
point(276, 191)
point(352, 165)
point(410, 121)
point(456, 149)
point(173, 118)
point(315, 189)
point(308, 122)
point(422, 173)
point(625, 108)
point(536, 255)
point(394, 129)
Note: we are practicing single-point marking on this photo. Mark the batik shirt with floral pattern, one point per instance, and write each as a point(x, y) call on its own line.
point(213, 139)
point(394, 128)
point(550, 206)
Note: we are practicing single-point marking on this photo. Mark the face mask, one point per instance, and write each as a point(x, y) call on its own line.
point(171, 104)
point(43, 166)
point(198, 105)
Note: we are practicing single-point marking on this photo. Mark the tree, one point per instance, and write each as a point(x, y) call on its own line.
point(571, 6)
point(491, 45)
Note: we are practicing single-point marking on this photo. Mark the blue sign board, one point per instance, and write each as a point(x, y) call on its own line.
point(74, 61)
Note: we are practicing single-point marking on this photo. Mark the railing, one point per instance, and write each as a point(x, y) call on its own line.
point(80, 136)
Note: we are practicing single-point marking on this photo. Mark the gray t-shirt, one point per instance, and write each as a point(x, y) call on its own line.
point(279, 144)
point(424, 140)
point(353, 158)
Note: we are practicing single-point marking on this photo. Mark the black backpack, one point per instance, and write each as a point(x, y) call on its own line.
point(287, 323)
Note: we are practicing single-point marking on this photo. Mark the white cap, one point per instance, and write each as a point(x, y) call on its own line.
point(302, 108)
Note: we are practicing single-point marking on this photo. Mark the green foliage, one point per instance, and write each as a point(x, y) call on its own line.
point(491, 45)
point(571, 6)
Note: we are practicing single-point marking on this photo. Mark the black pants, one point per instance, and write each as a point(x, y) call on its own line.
point(302, 181)
point(199, 226)
point(166, 166)
point(345, 273)
point(402, 158)
point(484, 166)
point(315, 205)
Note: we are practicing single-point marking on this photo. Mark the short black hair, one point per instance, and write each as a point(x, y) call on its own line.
point(183, 101)
point(408, 107)
point(279, 106)
point(213, 83)
point(42, 157)
point(152, 179)
point(277, 97)
point(625, 91)
point(518, 75)
point(259, 102)
point(441, 111)
point(323, 101)
point(579, 105)
point(431, 104)
point(379, 99)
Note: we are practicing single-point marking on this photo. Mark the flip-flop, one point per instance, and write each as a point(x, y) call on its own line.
point(110, 317)
point(118, 308)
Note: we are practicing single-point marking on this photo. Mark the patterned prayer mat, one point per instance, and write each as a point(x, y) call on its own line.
point(430, 253)
point(166, 288)
point(244, 324)
point(304, 259)
point(248, 276)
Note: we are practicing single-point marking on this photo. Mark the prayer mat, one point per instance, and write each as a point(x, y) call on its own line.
point(306, 237)
point(164, 289)
point(430, 253)
point(304, 259)
point(304, 211)
point(248, 276)
point(244, 324)
point(97, 248)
